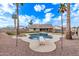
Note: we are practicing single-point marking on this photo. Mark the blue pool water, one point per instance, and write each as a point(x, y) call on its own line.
point(37, 35)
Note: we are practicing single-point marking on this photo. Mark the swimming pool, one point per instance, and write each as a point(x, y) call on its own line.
point(38, 35)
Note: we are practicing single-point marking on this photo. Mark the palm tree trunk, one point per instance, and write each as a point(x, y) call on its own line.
point(68, 33)
point(62, 23)
point(62, 32)
point(14, 24)
point(17, 29)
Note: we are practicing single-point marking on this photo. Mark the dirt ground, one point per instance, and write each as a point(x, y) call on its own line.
point(8, 48)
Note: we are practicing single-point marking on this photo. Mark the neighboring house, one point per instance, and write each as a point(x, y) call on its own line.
point(75, 30)
point(41, 27)
point(58, 29)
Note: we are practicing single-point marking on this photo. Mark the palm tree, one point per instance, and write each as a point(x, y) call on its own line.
point(62, 9)
point(68, 33)
point(17, 23)
point(31, 22)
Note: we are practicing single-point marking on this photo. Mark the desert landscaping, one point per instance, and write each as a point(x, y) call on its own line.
point(8, 48)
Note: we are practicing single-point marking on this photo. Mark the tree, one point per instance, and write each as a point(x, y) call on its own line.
point(62, 9)
point(31, 22)
point(68, 33)
point(17, 15)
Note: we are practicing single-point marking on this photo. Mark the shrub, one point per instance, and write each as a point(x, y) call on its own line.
point(11, 33)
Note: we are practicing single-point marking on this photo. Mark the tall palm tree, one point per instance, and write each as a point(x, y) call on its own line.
point(17, 22)
point(17, 15)
point(68, 33)
point(62, 9)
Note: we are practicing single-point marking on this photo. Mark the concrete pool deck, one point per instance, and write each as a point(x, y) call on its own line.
point(35, 44)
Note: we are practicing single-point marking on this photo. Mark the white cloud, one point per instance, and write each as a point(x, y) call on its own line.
point(57, 18)
point(76, 6)
point(7, 8)
point(48, 17)
point(48, 10)
point(37, 21)
point(55, 3)
point(24, 20)
point(56, 21)
point(39, 8)
point(75, 14)
point(1, 25)
point(4, 21)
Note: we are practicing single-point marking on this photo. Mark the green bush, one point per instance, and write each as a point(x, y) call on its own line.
point(11, 33)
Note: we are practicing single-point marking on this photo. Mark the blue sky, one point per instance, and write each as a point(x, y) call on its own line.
point(40, 13)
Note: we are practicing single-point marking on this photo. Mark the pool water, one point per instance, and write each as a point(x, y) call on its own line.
point(38, 35)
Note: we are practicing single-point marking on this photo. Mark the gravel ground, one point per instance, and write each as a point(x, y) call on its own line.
point(8, 48)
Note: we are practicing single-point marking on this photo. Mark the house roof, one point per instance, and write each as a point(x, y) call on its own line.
point(41, 26)
point(59, 27)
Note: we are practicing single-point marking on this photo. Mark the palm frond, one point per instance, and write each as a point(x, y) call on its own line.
point(62, 8)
